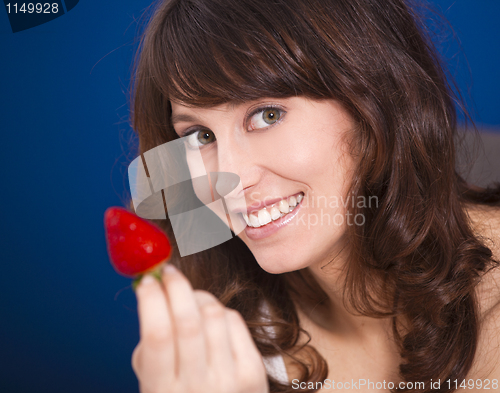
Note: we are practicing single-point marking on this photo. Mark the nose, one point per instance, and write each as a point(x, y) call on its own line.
point(226, 183)
point(235, 164)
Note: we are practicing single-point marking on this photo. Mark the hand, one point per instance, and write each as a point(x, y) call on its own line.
point(191, 343)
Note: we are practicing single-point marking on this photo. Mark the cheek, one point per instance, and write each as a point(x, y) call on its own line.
point(308, 155)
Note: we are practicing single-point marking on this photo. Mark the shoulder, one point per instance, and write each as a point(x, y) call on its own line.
point(486, 224)
point(485, 219)
point(487, 361)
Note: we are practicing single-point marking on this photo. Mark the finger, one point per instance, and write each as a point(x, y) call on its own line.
point(135, 361)
point(248, 359)
point(219, 352)
point(156, 358)
point(187, 322)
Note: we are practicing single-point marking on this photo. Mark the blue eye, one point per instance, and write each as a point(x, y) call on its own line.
point(200, 138)
point(265, 117)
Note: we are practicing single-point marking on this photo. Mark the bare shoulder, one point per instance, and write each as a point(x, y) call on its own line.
point(486, 223)
point(487, 361)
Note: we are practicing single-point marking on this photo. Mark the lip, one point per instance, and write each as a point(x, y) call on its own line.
point(273, 227)
point(264, 203)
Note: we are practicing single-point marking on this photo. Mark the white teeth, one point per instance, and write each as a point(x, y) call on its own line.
point(275, 213)
point(283, 206)
point(264, 217)
point(254, 220)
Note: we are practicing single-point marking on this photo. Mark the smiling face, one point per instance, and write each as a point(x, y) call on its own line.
point(282, 149)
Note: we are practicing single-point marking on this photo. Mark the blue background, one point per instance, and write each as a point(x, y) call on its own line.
point(69, 322)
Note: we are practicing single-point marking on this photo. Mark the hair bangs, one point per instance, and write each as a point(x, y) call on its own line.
point(209, 56)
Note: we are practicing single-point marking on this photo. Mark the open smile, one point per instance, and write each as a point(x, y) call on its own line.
point(266, 221)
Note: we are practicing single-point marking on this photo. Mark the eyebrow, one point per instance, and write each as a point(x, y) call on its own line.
point(183, 117)
point(188, 118)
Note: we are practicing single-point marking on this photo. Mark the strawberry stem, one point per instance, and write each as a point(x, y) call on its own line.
point(156, 272)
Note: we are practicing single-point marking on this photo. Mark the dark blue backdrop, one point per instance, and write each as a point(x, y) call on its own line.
point(69, 322)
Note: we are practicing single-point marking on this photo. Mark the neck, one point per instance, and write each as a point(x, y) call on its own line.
point(335, 315)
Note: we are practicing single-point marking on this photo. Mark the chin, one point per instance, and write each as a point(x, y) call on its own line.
point(280, 263)
point(274, 268)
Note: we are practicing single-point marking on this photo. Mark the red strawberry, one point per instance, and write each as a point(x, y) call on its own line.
point(135, 246)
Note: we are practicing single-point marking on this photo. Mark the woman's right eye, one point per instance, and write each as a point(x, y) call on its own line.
point(200, 138)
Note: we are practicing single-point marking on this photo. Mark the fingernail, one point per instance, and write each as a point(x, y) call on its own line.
point(147, 280)
point(169, 269)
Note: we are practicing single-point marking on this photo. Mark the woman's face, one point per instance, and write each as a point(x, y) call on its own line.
point(280, 149)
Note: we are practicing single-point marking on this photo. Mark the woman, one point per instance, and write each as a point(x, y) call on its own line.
point(385, 269)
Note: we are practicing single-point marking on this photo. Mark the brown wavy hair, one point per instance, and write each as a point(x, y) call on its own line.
point(416, 259)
